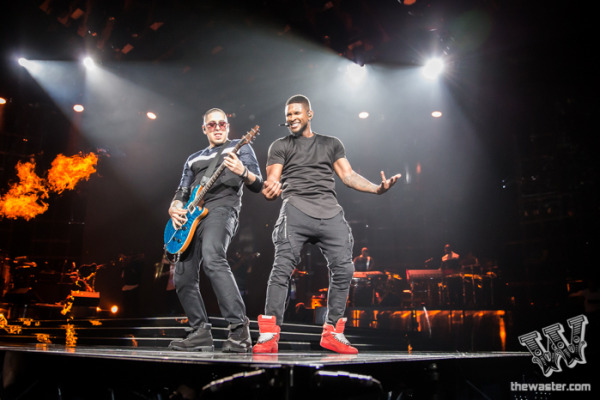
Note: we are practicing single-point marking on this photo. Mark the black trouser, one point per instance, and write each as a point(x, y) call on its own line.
point(209, 249)
point(333, 236)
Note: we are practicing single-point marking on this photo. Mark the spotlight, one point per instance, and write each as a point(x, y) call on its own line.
point(151, 115)
point(89, 62)
point(433, 68)
point(31, 66)
point(2, 101)
point(363, 115)
point(78, 108)
point(114, 309)
point(436, 114)
point(356, 73)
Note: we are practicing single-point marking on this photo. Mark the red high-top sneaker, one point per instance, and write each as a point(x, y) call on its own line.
point(333, 338)
point(269, 335)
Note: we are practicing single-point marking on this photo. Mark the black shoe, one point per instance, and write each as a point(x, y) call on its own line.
point(239, 340)
point(199, 340)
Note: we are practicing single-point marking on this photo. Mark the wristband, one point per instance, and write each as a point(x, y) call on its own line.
point(256, 186)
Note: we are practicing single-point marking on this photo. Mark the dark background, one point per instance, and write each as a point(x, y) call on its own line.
point(508, 173)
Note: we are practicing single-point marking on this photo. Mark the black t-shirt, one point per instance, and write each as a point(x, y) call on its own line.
point(308, 176)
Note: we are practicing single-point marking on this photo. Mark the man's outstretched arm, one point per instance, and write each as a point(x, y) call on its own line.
point(358, 182)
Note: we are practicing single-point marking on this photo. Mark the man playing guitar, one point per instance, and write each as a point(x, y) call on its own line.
point(213, 234)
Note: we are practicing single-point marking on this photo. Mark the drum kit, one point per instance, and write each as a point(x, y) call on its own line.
point(364, 288)
point(472, 285)
point(25, 281)
point(478, 284)
point(367, 289)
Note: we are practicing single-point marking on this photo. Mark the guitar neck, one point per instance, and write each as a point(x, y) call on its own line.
point(215, 176)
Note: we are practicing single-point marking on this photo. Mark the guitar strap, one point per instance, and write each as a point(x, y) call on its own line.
point(213, 164)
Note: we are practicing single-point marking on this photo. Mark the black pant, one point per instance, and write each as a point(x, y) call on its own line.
point(209, 248)
point(334, 238)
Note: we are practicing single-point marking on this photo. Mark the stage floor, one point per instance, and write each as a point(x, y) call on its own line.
point(126, 357)
point(127, 371)
point(313, 359)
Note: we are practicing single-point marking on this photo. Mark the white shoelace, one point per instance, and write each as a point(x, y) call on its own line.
point(265, 337)
point(341, 338)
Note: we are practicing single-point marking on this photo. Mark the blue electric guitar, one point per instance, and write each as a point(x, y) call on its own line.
point(178, 240)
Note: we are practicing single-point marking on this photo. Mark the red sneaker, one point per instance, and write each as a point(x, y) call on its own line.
point(269, 335)
point(333, 338)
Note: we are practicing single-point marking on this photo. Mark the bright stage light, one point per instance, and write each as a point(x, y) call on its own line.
point(436, 114)
point(31, 66)
point(2, 101)
point(363, 115)
point(356, 73)
point(89, 62)
point(433, 68)
point(78, 108)
point(151, 115)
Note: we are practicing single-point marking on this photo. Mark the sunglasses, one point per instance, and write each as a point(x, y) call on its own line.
point(212, 125)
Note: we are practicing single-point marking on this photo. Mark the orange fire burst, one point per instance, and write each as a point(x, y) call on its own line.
point(66, 172)
point(25, 199)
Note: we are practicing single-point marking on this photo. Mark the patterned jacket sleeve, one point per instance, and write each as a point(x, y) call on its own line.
point(184, 189)
point(248, 158)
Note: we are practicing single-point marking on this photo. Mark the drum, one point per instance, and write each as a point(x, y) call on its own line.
point(361, 292)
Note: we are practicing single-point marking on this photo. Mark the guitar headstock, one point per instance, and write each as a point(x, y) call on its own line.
point(251, 134)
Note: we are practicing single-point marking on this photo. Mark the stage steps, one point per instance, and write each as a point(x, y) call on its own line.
point(157, 332)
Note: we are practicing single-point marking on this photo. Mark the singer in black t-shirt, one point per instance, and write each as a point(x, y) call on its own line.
point(300, 169)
